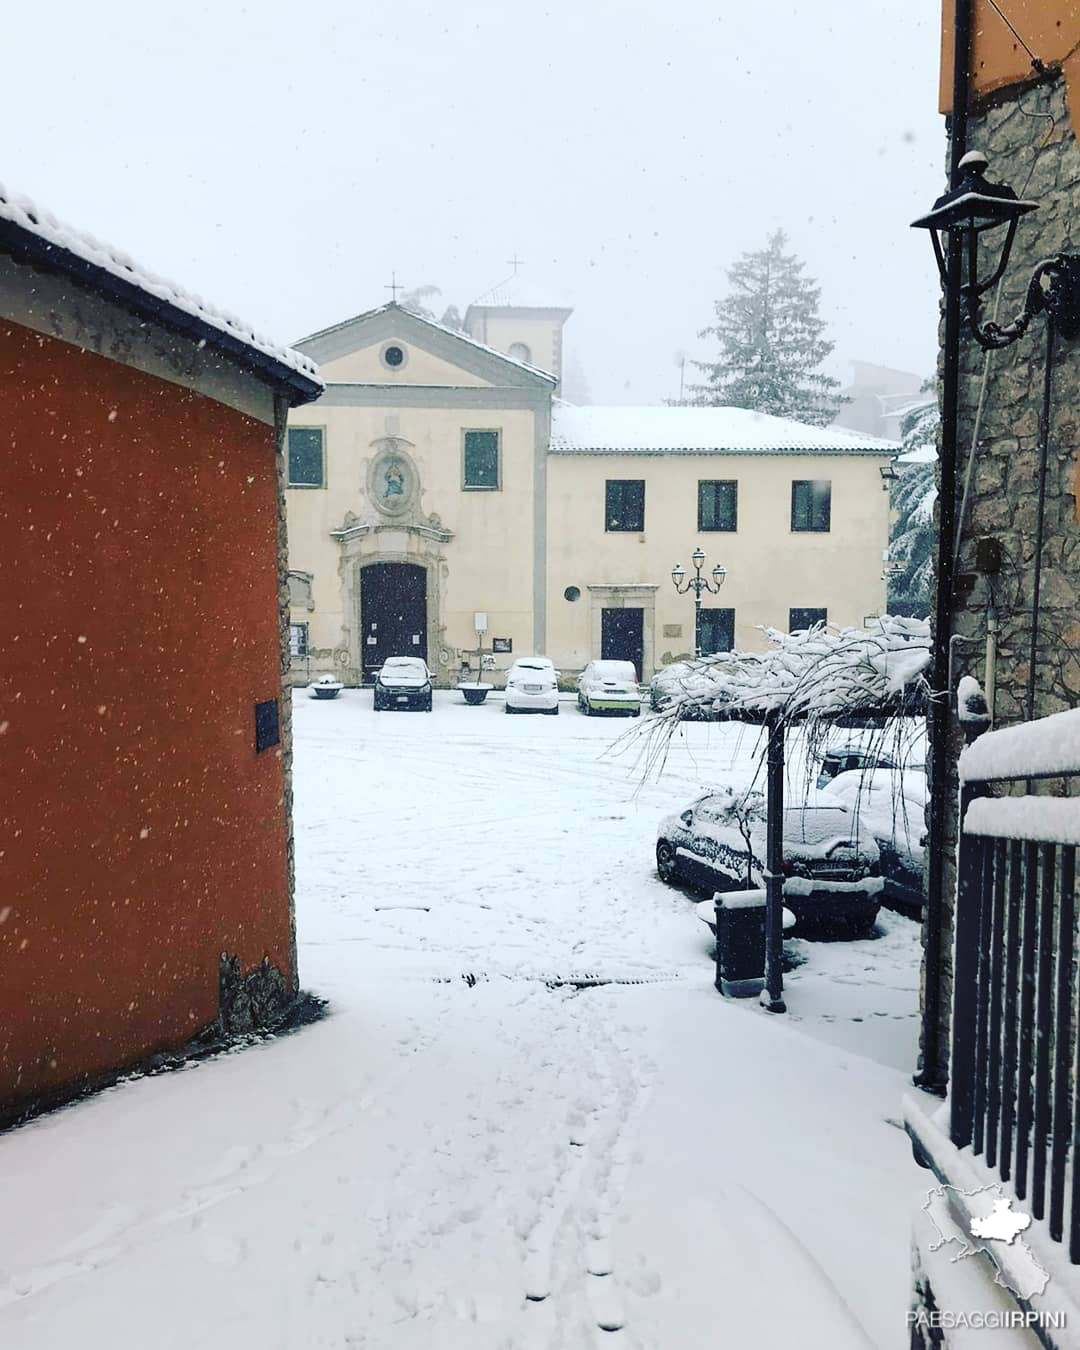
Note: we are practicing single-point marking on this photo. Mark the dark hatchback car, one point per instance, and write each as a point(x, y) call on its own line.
point(831, 862)
point(403, 682)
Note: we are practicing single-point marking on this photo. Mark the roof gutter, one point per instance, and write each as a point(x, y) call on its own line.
point(26, 247)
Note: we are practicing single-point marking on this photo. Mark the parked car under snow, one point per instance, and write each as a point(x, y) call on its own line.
point(532, 685)
point(831, 862)
point(609, 686)
point(848, 758)
point(403, 682)
point(891, 803)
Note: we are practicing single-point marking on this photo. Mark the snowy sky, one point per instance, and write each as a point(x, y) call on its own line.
point(282, 159)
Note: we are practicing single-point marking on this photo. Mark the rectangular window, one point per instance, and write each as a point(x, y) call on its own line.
point(716, 631)
point(805, 618)
point(481, 469)
point(811, 505)
point(298, 639)
point(624, 504)
point(717, 504)
point(306, 457)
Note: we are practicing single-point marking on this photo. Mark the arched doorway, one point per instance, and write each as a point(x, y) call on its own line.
point(393, 613)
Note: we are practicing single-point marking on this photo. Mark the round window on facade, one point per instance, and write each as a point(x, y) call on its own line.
point(520, 352)
point(393, 356)
point(572, 593)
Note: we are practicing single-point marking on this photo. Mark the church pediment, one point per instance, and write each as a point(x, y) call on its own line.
point(391, 347)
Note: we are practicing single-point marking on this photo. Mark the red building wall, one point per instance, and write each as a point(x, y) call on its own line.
point(140, 834)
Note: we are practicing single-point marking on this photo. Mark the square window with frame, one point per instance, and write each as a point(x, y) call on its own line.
point(715, 630)
point(298, 640)
point(481, 461)
point(307, 457)
point(806, 618)
point(624, 505)
point(811, 506)
point(717, 504)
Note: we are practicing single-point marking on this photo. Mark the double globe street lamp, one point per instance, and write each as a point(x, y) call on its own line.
point(699, 585)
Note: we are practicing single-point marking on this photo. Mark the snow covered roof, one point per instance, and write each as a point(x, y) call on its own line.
point(30, 234)
point(925, 454)
point(393, 306)
point(514, 293)
point(694, 431)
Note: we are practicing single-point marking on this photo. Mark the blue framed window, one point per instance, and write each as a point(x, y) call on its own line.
point(307, 457)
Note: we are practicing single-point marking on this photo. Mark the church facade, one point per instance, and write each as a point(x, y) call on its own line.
point(440, 478)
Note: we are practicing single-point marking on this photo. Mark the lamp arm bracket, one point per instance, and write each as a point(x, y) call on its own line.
point(992, 336)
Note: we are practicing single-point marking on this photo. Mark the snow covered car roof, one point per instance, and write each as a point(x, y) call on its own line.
point(32, 235)
point(613, 670)
point(877, 784)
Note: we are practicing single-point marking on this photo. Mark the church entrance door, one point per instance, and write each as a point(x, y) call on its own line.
point(621, 636)
point(393, 613)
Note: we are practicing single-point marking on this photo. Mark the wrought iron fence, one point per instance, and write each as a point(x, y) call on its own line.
point(1016, 1005)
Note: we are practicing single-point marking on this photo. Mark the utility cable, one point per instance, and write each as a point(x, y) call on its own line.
point(1036, 64)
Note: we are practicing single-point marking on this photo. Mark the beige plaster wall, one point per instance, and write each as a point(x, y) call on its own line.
point(770, 568)
point(486, 565)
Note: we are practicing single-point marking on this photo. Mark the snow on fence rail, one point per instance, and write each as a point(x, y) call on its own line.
point(1015, 1022)
point(1048, 748)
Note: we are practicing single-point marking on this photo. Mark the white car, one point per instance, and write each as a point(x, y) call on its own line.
point(891, 803)
point(532, 685)
point(609, 686)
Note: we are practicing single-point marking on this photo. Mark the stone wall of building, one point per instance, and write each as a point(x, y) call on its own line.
point(1027, 135)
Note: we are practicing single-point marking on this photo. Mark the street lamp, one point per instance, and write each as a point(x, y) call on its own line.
point(698, 584)
point(977, 207)
point(974, 207)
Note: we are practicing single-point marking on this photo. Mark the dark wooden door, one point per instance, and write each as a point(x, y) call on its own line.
point(621, 636)
point(393, 613)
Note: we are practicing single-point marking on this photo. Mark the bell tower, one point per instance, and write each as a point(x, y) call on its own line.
point(513, 320)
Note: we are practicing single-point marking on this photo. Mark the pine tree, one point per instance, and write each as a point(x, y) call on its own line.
point(771, 343)
point(911, 540)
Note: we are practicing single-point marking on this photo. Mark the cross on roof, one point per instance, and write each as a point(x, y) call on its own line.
point(515, 262)
point(394, 286)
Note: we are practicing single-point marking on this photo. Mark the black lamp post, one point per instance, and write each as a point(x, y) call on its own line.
point(698, 584)
point(976, 207)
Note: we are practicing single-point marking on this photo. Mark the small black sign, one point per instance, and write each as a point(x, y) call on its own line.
point(502, 644)
point(266, 725)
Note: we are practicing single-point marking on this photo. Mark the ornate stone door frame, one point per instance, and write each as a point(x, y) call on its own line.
point(391, 543)
point(635, 595)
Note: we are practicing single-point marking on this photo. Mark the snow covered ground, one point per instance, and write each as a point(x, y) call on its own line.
point(462, 1155)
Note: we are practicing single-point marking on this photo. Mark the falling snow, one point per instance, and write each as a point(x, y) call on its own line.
point(471, 1151)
